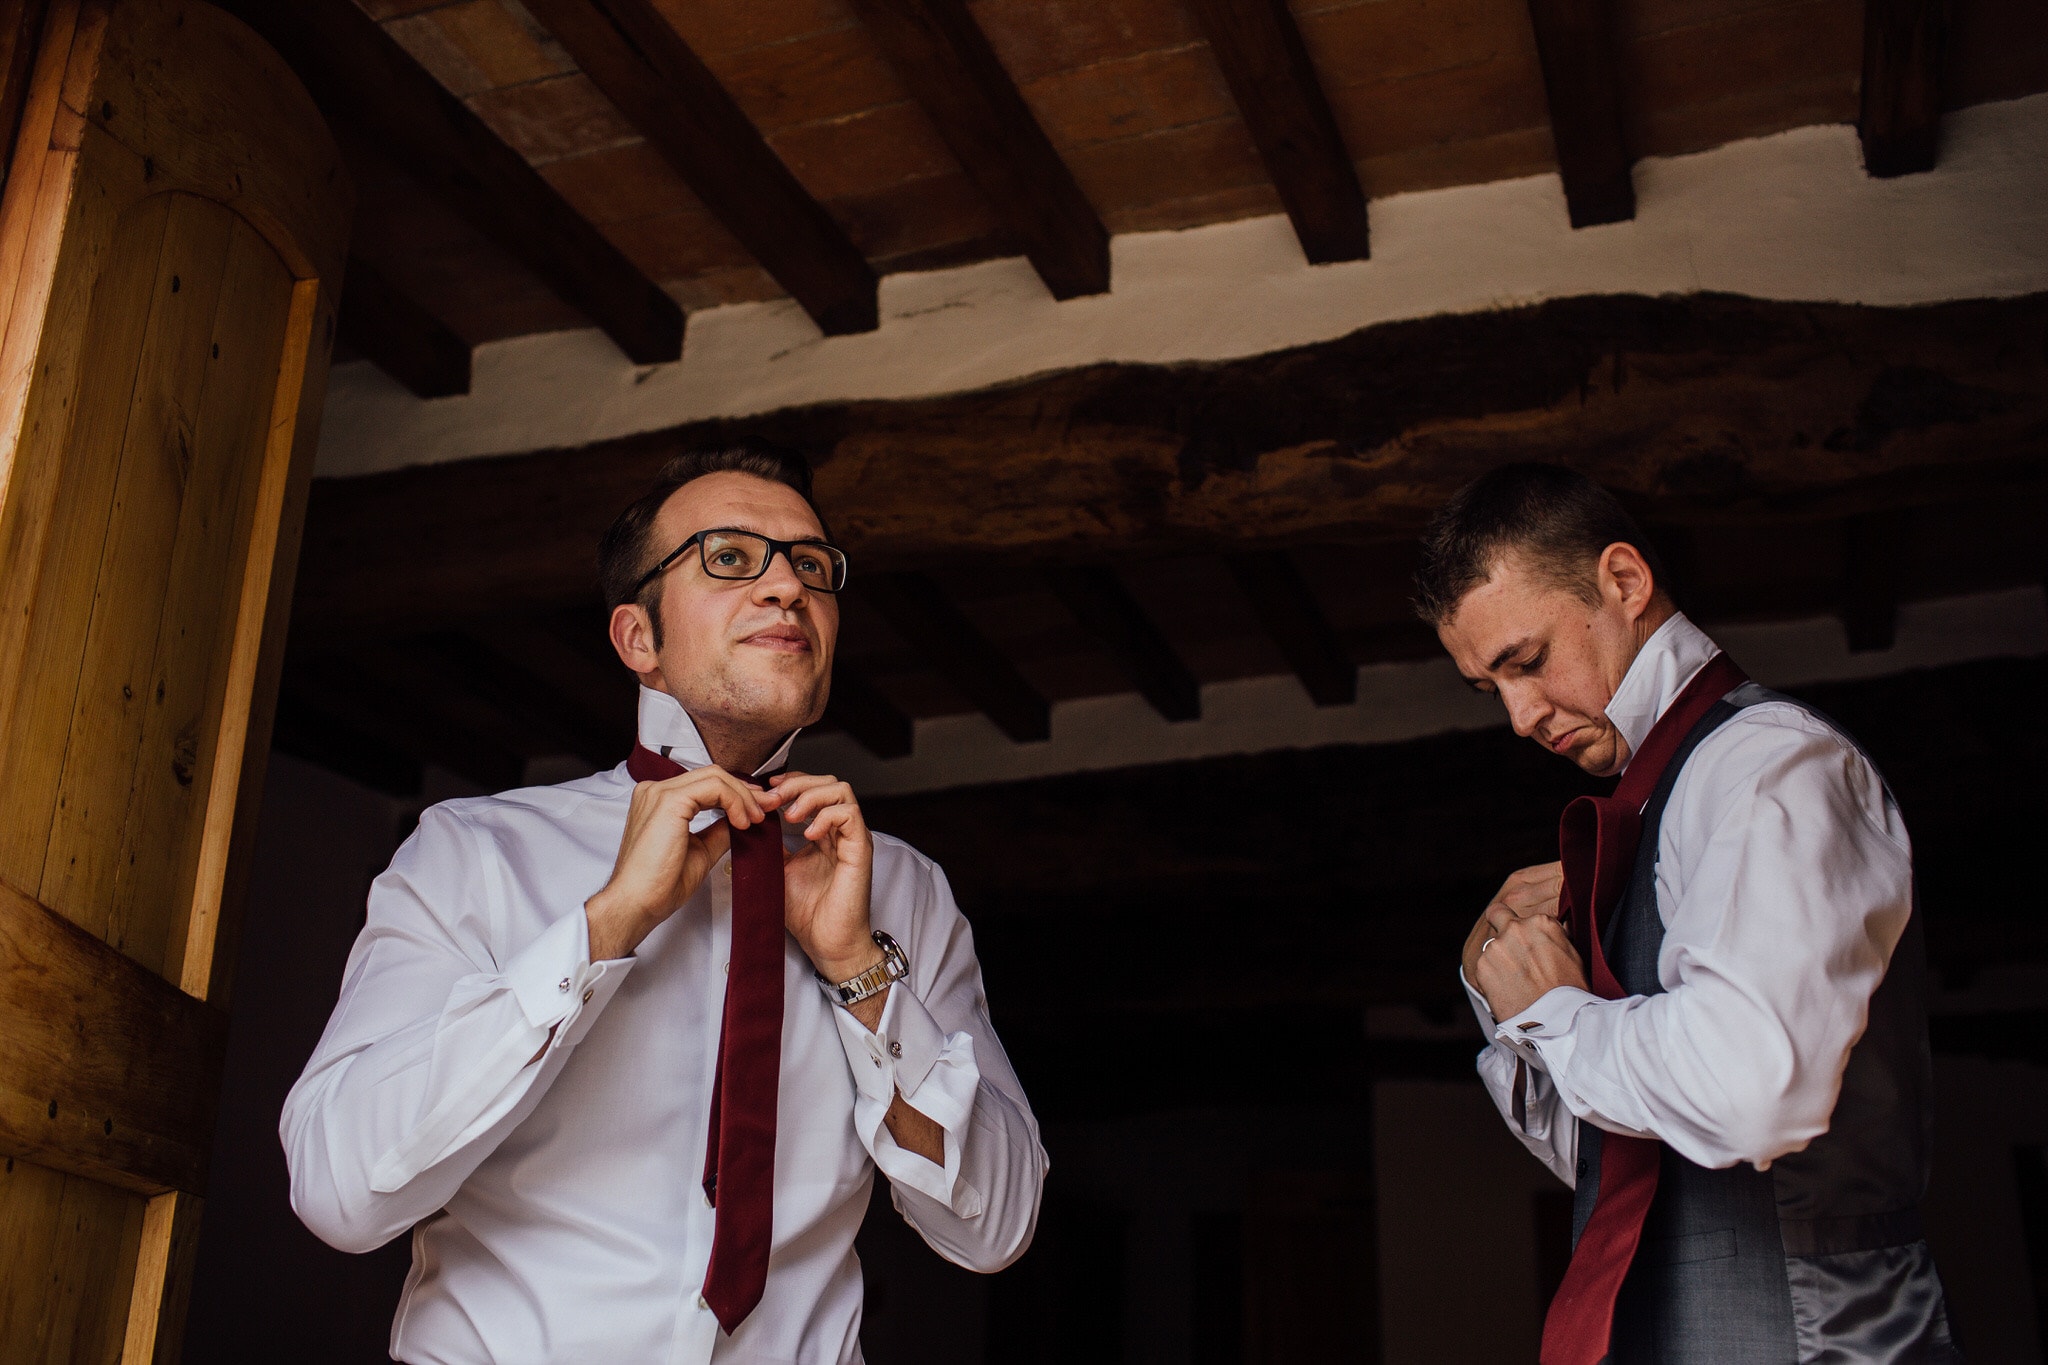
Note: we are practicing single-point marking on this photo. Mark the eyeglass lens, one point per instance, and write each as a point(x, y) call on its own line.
point(741, 554)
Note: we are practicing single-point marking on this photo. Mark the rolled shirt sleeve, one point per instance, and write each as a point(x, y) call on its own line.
point(936, 1047)
point(397, 1105)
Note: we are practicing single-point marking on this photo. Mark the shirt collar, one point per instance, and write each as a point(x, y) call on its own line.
point(666, 728)
point(1676, 651)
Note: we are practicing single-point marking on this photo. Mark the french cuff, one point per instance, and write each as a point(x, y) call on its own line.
point(1541, 1034)
point(908, 1054)
point(1480, 1009)
point(554, 983)
point(554, 979)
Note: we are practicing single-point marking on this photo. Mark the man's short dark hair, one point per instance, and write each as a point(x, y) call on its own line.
point(625, 553)
point(1556, 521)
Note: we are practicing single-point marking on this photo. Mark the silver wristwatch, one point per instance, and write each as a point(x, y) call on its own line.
point(894, 966)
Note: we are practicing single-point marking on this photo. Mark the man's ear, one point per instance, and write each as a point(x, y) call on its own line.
point(1625, 577)
point(632, 635)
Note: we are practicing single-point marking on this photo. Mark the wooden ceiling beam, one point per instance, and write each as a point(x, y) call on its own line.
point(552, 721)
point(941, 54)
point(400, 336)
point(1575, 44)
point(1872, 546)
point(951, 644)
point(1103, 605)
point(360, 76)
point(1267, 67)
point(644, 67)
point(1905, 43)
point(858, 707)
point(1287, 610)
point(342, 690)
point(1819, 411)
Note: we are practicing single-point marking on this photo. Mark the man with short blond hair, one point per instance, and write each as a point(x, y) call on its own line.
point(624, 1054)
point(1709, 1017)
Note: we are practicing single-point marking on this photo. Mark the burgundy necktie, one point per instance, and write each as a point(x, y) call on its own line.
point(739, 1155)
point(1597, 841)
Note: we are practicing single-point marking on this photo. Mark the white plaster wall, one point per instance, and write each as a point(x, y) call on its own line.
point(1395, 702)
point(1790, 216)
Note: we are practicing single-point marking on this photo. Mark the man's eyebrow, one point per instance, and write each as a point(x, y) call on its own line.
point(1501, 658)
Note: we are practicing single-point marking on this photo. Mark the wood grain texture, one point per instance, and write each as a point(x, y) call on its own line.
point(1905, 45)
point(1282, 102)
point(400, 336)
point(361, 75)
point(106, 1069)
point(1582, 84)
point(946, 61)
point(646, 69)
point(174, 196)
point(1701, 408)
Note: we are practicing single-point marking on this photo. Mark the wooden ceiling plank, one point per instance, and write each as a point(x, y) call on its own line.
point(1904, 46)
point(361, 76)
point(1267, 67)
point(1575, 43)
point(644, 67)
point(942, 55)
point(1103, 605)
point(1287, 609)
point(954, 646)
point(876, 723)
point(400, 336)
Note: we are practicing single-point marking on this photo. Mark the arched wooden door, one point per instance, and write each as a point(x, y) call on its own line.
point(171, 238)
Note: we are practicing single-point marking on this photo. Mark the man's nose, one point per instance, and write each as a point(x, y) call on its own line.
point(1526, 709)
point(778, 583)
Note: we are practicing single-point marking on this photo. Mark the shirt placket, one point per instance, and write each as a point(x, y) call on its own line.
point(697, 1330)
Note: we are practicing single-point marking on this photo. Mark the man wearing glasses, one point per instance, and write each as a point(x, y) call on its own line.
point(623, 1054)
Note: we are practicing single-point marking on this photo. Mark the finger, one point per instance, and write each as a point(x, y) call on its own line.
point(715, 788)
point(816, 799)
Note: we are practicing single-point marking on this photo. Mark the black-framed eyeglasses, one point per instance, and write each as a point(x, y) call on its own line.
point(729, 553)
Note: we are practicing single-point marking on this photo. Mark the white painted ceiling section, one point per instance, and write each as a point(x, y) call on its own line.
point(1395, 702)
point(1790, 216)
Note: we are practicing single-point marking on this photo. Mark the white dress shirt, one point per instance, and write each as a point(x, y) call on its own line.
point(538, 1120)
point(1784, 880)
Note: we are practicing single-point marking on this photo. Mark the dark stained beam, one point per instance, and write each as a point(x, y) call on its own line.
point(1872, 547)
point(1105, 608)
point(1287, 610)
point(859, 708)
point(1582, 81)
point(399, 336)
point(645, 68)
point(360, 75)
point(1820, 412)
point(1904, 43)
point(955, 648)
point(550, 720)
point(345, 691)
point(308, 733)
point(1281, 100)
point(942, 55)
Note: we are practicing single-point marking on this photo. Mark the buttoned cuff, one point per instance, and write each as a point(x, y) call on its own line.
point(553, 977)
point(935, 1072)
point(1541, 1034)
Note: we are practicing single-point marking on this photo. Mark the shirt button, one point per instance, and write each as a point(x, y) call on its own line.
point(1582, 1168)
point(587, 994)
point(703, 1303)
point(876, 1060)
point(563, 985)
point(895, 1049)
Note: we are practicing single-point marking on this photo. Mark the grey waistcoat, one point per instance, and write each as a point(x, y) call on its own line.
point(1819, 1260)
